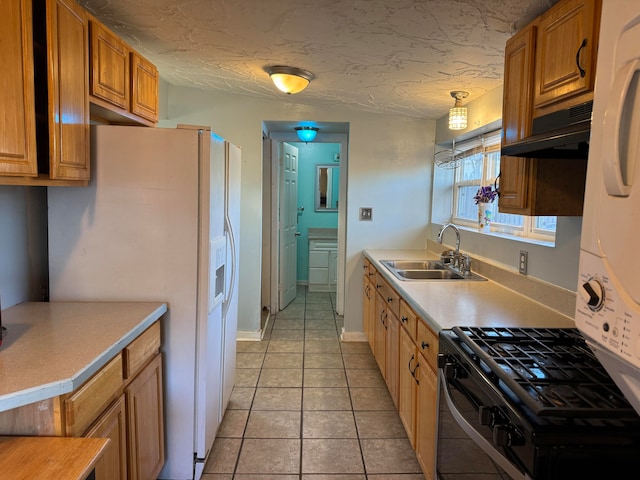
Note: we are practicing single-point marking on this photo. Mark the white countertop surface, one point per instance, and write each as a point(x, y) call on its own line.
point(446, 304)
point(51, 348)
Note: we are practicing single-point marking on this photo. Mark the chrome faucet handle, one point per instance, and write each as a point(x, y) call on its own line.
point(466, 264)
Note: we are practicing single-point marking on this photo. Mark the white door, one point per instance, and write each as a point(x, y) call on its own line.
point(288, 223)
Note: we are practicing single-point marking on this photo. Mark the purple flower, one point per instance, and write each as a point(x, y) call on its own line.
point(485, 195)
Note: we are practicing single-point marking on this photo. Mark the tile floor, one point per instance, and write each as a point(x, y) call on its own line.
point(306, 406)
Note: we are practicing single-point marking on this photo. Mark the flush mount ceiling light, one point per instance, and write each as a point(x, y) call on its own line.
point(289, 79)
point(307, 134)
point(458, 114)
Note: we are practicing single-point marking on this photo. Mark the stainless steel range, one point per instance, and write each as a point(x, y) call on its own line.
point(538, 404)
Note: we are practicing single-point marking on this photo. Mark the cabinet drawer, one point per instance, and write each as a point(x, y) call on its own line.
point(408, 319)
point(427, 344)
point(141, 350)
point(84, 406)
point(389, 295)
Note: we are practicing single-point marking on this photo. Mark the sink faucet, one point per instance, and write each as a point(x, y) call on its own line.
point(455, 229)
point(459, 261)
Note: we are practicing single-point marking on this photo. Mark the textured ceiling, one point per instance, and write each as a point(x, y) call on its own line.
point(394, 56)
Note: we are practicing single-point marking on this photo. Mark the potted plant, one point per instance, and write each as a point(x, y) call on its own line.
point(483, 197)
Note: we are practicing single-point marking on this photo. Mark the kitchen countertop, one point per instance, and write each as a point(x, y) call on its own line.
point(445, 304)
point(62, 458)
point(52, 348)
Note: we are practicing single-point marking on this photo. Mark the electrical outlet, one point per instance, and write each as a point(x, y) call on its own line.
point(522, 262)
point(366, 213)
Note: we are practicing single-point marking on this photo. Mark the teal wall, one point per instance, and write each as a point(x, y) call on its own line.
point(310, 155)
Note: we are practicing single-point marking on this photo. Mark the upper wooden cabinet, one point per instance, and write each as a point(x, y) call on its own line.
point(566, 52)
point(124, 85)
point(45, 128)
point(17, 91)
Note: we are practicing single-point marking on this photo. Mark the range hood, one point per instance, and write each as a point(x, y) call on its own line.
point(562, 134)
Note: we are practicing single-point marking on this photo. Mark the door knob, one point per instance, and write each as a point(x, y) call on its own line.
point(297, 234)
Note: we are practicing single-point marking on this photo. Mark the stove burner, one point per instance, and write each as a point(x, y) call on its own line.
point(552, 371)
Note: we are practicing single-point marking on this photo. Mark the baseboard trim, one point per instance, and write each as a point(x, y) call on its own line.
point(243, 336)
point(352, 336)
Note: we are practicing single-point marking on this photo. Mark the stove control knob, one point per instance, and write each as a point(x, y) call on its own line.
point(506, 436)
point(592, 293)
point(487, 416)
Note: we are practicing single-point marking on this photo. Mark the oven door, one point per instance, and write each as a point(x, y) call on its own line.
point(465, 446)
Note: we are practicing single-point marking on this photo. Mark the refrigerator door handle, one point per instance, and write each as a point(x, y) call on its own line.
point(232, 245)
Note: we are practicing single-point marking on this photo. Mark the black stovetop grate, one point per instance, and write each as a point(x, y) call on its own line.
point(551, 370)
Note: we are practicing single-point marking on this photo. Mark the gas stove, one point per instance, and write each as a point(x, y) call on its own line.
point(544, 401)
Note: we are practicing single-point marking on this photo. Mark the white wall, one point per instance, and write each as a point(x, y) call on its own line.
point(23, 244)
point(389, 169)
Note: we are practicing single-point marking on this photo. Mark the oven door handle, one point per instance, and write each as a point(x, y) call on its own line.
point(482, 442)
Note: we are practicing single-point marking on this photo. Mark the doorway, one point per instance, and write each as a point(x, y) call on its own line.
point(275, 134)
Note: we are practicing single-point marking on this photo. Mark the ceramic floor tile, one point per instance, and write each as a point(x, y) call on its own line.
point(324, 377)
point(216, 476)
point(328, 424)
point(241, 398)
point(223, 455)
point(356, 347)
point(328, 334)
point(295, 310)
point(274, 455)
point(320, 324)
point(359, 361)
point(283, 360)
point(249, 360)
point(402, 476)
point(323, 360)
point(343, 476)
point(326, 399)
point(318, 297)
point(287, 334)
point(265, 477)
point(379, 424)
point(285, 346)
point(331, 456)
point(277, 399)
point(251, 347)
point(233, 423)
point(319, 315)
point(371, 399)
point(273, 424)
point(365, 378)
point(288, 323)
point(389, 456)
point(322, 346)
point(280, 377)
point(247, 377)
point(321, 306)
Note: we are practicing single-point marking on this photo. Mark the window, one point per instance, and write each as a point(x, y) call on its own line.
point(480, 166)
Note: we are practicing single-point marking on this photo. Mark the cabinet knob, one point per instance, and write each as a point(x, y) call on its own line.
point(404, 319)
point(389, 299)
point(425, 345)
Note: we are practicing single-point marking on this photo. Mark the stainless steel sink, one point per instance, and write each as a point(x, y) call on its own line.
point(415, 270)
point(414, 264)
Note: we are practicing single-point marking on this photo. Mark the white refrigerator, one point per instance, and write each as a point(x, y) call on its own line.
point(159, 221)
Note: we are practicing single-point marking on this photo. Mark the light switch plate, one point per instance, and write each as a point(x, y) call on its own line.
point(366, 213)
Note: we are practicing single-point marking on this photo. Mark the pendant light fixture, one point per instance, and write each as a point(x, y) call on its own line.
point(307, 134)
point(289, 79)
point(458, 114)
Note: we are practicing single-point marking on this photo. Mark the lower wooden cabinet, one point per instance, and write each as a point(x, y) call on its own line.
point(112, 425)
point(426, 413)
point(145, 423)
point(406, 351)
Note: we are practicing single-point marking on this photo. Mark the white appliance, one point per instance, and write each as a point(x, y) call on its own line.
point(608, 304)
point(159, 222)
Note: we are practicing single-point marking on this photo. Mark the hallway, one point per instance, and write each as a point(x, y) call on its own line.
point(306, 406)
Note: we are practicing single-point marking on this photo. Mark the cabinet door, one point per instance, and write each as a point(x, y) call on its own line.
point(109, 74)
point(145, 422)
point(333, 267)
point(366, 310)
point(112, 425)
point(514, 184)
point(379, 332)
point(407, 385)
point(392, 348)
point(17, 92)
point(566, 52)
point(426, 417)
point(518, 79)
point(144, 88)
point(68, 51)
